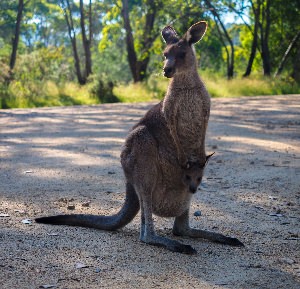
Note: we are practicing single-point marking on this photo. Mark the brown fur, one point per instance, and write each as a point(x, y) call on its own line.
point(163, 157)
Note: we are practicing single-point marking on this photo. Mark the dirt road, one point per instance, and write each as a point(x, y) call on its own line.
point(66, 160)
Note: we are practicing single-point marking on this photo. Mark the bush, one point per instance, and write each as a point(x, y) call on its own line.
point(102, 89)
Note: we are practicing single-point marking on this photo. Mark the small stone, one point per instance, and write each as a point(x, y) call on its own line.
point(86, 204)
point(197, 214)
point(27, 221)
point(275, 215)
point(71, 207)
point(111, 173)
point(97, 270)
point(286, 260)
point(80, 265)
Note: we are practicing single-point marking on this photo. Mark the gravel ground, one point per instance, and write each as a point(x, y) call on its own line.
point(66, 160)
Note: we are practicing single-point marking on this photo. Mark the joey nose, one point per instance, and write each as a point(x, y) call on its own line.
point(193, 189)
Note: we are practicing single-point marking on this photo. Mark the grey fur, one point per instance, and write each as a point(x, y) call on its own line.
point(163, 157)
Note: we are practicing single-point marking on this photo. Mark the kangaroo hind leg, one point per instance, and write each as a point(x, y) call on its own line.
point(182, 228)
point(148, 234)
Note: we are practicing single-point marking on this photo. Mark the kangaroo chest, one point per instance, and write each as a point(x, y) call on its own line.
point(192, 119)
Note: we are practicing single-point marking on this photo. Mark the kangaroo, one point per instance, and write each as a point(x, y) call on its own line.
point(159, 180)
point(186, 106)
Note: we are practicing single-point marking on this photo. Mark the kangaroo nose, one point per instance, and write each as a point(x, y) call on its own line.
point(168, 71)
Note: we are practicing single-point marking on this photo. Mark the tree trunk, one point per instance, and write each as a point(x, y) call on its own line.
point(255, 38)
point(131, 55)
point(265, 30)
point(139, 67)
point(230, 66)
point(286, 54)
point(86, 43)
point(72, 35)
point(296, 67)
point(15, 41)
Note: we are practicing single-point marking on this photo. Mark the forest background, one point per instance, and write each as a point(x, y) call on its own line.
point(66, 52)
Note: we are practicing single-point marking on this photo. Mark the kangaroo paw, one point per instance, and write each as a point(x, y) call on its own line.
point(181, 248)
point(232, 242)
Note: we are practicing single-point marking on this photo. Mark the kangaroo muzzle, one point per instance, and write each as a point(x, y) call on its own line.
point(169, 67)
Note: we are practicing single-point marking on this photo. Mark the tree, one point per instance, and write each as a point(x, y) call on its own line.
point(72, 35)
point(219, 23)
point(86, 41)
point(15, 40)
point(287, 53)
point(138, 65)
point(254, 46)
point(264, 26)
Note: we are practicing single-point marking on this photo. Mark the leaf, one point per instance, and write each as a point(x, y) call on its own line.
point(47, 286)
point(53, 234)
point(27, 221)
point(19, 211)
point(80, 265)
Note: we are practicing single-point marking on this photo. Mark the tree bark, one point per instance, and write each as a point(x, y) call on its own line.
point(265, 31)
point(15, 41)
point(254, 45)
point(286, 54)
point(86, 43)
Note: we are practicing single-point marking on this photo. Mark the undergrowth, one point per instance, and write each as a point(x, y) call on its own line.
point(20, 94)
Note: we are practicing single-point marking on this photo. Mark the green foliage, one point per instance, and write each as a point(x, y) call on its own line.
point(102, 89)
point(44, 73)
point(48, 93)
point(251, 86)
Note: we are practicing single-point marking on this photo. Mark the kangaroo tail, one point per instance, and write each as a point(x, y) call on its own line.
point(109, 223)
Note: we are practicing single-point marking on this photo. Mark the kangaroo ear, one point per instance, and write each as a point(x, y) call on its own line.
point(208, 157)
point(195, 32)
point(169, 35)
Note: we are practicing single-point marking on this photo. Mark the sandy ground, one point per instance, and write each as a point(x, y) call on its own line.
point(66, 160)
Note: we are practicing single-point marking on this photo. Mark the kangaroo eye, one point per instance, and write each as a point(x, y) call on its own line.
point(199, 179)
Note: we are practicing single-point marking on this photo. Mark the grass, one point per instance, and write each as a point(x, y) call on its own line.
point(36, 94)
point(250, 87)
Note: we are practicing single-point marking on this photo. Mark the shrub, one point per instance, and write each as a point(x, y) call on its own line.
point(102, 89)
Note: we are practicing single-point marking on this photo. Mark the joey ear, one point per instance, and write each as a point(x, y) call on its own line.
point(208, 157)
point(195, 32)
point(169, 35)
